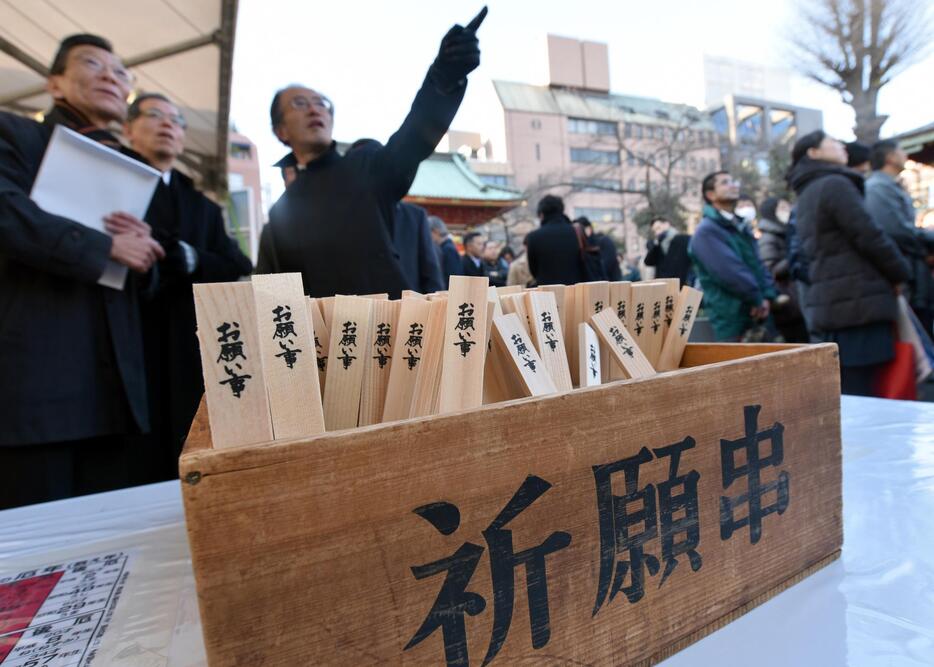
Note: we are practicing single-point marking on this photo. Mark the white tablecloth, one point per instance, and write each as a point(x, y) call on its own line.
point(875, 606)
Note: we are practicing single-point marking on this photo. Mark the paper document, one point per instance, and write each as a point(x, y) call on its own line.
point(83, 180)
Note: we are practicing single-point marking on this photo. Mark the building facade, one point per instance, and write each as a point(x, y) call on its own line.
point(599, 150)
point(245, 217)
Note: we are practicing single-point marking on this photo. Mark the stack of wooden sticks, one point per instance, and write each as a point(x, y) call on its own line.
point(278, 365)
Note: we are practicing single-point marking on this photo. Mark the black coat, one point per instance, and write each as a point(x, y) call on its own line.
point(554, 253)
point(853, 265)
point(608, 256)
point(179, 212)
point(334, 222)
point(450, 259)
point(71, 359)
point(672, 264)
point(415, 249)
point(471, 268)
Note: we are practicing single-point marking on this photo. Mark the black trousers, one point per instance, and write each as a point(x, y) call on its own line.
point(860, 380)
point(32, 474)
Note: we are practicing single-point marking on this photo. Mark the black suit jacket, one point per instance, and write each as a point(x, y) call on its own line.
point(71, 358)
point(178, 212)
point(554, 253)
point(334, 222)
point(672, 264)
point(415, 250)
point(470, 268)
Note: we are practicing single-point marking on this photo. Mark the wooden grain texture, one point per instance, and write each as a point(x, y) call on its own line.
point(327, 310)
point(350, 336)
point(548, 336)
point(524, 364)
point(406, 358)
point(426, 395)
point(322, 339)
point(596, 296)
point(464, 352)
point(648, 299)
point(621, 344)
point(589, 356)
point(620, 297)
point(672, 290)
point(685, 313)
point(226, 316)
point(498, 385)
point(382, 296)
point(508, 289)
point(572, 319)
point(378, 362)
point(515, 303)
point(411, 294)
point(559, 292)
point(289, 363)
point(303, 551)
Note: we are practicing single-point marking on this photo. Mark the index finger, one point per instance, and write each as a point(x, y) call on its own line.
point(477, 20)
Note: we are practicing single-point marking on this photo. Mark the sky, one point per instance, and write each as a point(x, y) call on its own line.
point(370, 57)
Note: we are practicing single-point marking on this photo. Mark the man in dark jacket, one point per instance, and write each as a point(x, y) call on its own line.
point(854, 267)
point(191, 229)
point(608, 255)
point(334, 222)
point(73, 386)
point(554, 251)
point(667, 251)
point(415, 249)
point(472, 261)
point(448, 256)
point(891, 208)
point(737, 287)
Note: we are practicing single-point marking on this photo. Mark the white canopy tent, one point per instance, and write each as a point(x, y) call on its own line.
point(183, 49)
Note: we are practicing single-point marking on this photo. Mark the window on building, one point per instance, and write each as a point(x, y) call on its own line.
point(500, 180)
point(721, 122)
point(536, 124)
point(782, 125)
point(599, 214)
point(631, 184)
point(692, 163)
point(240, 151)
point(538, 153)
point(590, 156)
point(749, 123)
point(584, 126)
point(638, 129)
point(627, 130)
point(596, 184)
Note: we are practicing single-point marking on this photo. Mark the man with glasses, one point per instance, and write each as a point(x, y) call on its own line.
point(197, 249)
point(71, 364)
point(737, 287)
point(334, 223)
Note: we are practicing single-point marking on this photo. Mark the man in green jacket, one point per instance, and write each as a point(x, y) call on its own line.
point(737, 287)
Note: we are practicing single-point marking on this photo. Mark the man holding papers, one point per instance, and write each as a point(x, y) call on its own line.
point(72, 383)
point(191, 229)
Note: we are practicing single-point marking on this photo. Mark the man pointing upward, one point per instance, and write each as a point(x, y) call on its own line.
point(334, 221)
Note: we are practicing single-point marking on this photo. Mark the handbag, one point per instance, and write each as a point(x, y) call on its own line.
point(910, 331)
point(590, 256)
point(897, 379)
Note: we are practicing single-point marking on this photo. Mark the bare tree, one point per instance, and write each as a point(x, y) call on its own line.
point(856, 47)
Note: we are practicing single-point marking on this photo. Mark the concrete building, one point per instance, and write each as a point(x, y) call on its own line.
point(245, 217)
point(727, 76)
point(600, 150)
point(748, 127)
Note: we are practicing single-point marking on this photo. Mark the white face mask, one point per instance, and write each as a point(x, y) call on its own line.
point(746, 212)
point(782, 216)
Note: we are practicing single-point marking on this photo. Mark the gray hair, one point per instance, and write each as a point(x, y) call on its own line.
point(436, 224)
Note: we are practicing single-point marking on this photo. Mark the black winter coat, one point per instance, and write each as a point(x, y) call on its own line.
point(178, 212)
point(334, 222)
point(415, 249)
point(853, 265)
point(71, 358)
point(554, 253)
point(672, 264)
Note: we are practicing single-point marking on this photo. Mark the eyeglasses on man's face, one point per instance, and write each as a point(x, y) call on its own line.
point(158, 115)
point(97, 66)
point(304, 103)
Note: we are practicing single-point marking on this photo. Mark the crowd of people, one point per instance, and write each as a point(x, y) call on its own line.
point(101, 385)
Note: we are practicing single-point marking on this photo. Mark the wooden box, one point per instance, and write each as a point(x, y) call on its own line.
point(612, 525)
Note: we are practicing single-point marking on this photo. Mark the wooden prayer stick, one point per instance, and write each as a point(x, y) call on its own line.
point(350, 335)
point(686, 308)
point(464, 337)
point(426, 394)
point(526, 365)
point(378, 362)
point(589, 356)
point(407, 353)
point(621, 344)
point(548, 336)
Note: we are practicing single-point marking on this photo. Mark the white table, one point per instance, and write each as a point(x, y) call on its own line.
point(875, 606)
